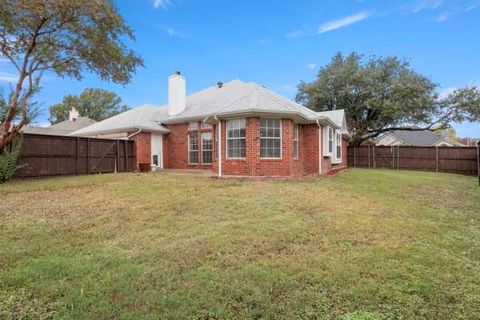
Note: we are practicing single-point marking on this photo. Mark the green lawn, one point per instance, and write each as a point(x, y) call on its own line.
point(366, 244)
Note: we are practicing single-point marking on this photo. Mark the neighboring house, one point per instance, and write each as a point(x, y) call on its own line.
point(415, 138)
point(64, 128)
point(236, 128)
point(469, 142)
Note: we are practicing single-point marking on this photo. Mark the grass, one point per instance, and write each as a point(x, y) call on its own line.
point(366, 244)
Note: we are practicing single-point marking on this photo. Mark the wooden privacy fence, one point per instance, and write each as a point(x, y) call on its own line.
point(46, 155)
point(462, 160)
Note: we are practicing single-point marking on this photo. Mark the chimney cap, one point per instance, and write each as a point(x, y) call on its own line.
point(219, 84)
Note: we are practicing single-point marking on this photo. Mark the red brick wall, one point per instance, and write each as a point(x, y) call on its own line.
point(175, 146)
point(253, 165)
point(143, 147)
point(176, 151)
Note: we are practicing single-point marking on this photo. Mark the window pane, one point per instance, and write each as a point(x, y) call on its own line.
point(270, 138)
point(207, 147)
point(295, 142)
point(193, 125)
point(193, 156)
point(236, 140)
point(193, 147)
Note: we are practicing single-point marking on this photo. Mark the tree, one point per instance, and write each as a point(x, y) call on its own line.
point(64, 37)
point(96, 104)
point(32, 109)
point(385, 94)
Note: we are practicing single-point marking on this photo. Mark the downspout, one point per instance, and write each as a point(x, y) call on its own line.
point(134, 134)
point(319, 147)
point(219, 146)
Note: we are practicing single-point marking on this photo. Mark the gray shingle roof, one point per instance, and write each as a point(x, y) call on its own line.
point(417, 138)
point(62, 128)
point(238, 96)
point(145, 118)
point(234, 97)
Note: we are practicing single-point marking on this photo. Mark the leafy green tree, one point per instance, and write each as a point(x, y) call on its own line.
point(384, 94)
point(96, 104)
point(33, 110)
point(64, 37)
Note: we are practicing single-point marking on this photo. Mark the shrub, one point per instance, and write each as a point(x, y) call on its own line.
point(9, 160)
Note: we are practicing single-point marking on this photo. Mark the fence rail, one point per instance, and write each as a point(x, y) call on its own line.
point(46, 155)
point(464, 160)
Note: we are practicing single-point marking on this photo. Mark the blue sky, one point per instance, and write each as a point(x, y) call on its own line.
point(278, 43)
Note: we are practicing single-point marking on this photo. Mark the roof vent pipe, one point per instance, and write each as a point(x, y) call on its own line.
point(177, 96)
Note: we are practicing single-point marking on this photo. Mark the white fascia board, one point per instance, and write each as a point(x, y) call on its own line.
point(118, 130)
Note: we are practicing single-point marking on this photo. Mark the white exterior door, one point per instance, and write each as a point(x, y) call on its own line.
point(157, 151)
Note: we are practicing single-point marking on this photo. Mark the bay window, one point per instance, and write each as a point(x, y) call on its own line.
point(270, 138)
point(193, 148)
point(207, 149)
point(236, 138)
point(193, 125)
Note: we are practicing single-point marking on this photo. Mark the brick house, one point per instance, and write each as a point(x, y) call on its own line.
point(236, 128)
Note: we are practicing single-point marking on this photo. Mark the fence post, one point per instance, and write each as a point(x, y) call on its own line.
point(478, 162)
point(436, 158)
point(398, 157)
point(354, 156)
point(373, 158)
point(126, 155)
point(368, 149)
point(117, 155)
point(392, 151)
point(77, 156)
point(88, 155)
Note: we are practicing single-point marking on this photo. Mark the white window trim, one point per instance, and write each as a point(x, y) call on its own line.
point(326, 140)
point(235, 138)
point(211, 147)
point(338, 142)
point(280, 138)
point(188, 149)
point(297, 139)
point(191, 128)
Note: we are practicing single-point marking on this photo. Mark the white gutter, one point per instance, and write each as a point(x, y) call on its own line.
point(319, 147)
point(134, 134)
point(219, 147)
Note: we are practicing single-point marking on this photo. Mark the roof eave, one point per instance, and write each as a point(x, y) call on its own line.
point(119, 130)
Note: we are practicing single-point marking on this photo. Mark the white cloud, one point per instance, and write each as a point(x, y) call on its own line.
point(312, 66)
point(426, 5)
point(8, 77)
point(340, 23)
point(162, 4)
point(294, 34)
point(472, 6)
point(172, 32)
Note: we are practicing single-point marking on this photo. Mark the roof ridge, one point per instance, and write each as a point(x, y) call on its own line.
point(279, 98)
